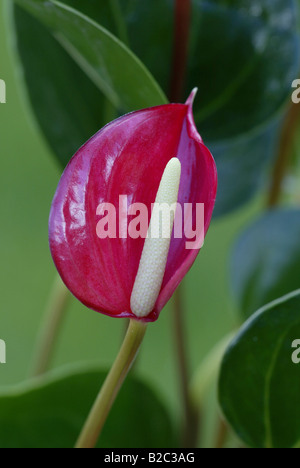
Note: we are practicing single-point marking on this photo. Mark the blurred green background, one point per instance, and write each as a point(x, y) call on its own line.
point(28, 180)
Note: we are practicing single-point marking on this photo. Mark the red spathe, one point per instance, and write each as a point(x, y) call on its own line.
point(127, 157)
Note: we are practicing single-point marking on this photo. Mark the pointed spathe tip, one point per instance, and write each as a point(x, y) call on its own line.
point(191, 98)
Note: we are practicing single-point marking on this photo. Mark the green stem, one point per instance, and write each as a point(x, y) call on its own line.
point(97, 417)
point(204, 378)
point(222, 433)
point(120, 23)
point(190, 414)
point(54, 315)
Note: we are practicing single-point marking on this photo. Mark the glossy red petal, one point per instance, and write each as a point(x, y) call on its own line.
point(127, 157)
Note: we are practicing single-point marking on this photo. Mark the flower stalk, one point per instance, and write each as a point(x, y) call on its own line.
point(53, 317)
point(182, 18)
point(190, 413)
point(284, 154)
point(99, 412)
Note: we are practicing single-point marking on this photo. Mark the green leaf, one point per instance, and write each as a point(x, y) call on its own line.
point(101, 11)
point(68, 107)
point(145, 26)
point(243, 56)
point(242, 166)
point(266, 260)
point(249, 58)
point(150, 33)
point(108, 62)
point(250, 54)
point(50, 413)
point(242, 45)
point(105, 12)
point(259, 383)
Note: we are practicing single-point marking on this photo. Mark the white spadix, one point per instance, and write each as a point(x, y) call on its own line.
point(154, 256)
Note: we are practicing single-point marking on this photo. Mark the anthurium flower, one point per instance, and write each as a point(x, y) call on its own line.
point(98, 239)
